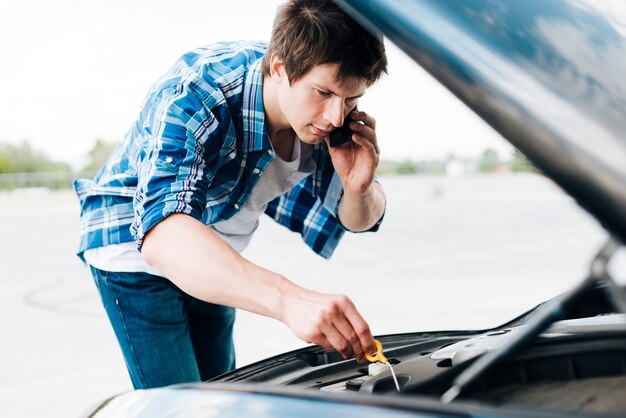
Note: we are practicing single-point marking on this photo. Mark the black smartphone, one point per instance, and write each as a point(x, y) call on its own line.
point(343, 134)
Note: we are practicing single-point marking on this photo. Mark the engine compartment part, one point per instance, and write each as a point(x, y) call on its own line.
point(575, 365)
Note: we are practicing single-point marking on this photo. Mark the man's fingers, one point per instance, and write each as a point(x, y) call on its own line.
point(361, 328)
point(331, 338)
point(350, 335)
point(323, 342)
point(365, 118)
point(365, 143)
point(353, 327)
point(337, 340)
point(337, 325)
point(367, 132)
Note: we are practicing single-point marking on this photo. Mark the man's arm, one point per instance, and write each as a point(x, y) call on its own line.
point(359, 212)
point(201, 264)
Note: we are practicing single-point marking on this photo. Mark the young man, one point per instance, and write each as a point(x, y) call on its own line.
point(231, 131)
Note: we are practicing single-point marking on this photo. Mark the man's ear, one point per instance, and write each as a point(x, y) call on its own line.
point(277, 68)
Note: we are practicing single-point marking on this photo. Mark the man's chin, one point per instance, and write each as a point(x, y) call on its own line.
point(311, 139)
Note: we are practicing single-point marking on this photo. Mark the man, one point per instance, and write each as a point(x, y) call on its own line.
point(231, 131)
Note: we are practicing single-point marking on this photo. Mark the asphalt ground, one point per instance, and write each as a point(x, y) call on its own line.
point(452, 253)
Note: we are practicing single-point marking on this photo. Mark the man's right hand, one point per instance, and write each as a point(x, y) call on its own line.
point(331, 321)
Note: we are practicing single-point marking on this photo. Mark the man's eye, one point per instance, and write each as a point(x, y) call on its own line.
point(351, 102)
point(323, 93)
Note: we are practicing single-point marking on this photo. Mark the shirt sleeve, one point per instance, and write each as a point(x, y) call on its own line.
point(182, 142)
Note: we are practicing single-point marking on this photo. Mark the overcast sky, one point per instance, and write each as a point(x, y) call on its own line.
point(72, 71)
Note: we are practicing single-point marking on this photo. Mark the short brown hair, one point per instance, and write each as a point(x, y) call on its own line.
point(307, 33)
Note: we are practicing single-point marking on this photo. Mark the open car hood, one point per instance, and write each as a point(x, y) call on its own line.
point(547, 75)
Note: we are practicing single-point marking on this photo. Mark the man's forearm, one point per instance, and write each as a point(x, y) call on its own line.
point(201, 264)
point(361, 212)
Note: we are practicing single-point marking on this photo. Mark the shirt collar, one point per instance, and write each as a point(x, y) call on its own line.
point(253, 113)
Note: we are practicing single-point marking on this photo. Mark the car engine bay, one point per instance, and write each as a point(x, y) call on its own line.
point(576, 364)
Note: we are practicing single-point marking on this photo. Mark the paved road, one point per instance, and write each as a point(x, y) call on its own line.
point(452, 253)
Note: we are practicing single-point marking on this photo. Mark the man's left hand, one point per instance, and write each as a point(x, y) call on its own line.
point(356, 161)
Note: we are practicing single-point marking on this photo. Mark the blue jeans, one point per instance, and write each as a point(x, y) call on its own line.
point(166, 336)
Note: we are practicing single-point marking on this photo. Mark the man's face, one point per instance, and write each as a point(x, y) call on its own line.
point(317, 103)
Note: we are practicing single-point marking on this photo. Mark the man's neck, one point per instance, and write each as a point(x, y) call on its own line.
point(278, 129)
point(283, 144)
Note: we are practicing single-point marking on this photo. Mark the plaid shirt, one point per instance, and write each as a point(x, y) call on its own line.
point(198, 147)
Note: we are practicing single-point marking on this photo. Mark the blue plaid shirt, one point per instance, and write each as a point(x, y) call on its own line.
point(198, 147)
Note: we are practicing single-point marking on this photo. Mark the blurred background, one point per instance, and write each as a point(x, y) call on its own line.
point(74, 75)
point(473, 234)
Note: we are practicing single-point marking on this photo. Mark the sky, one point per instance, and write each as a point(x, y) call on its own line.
point(73, 71)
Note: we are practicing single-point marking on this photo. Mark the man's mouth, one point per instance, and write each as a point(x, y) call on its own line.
point(319, 131)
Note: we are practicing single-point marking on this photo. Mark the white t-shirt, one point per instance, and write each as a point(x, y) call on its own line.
point(279, 177)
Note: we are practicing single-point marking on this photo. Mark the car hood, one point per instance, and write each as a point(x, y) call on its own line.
point(253, 400)
point(549, 76)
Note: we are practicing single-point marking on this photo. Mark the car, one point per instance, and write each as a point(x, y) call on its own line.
point(548, 75)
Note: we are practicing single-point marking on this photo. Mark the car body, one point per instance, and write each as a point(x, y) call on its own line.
point(549, 76)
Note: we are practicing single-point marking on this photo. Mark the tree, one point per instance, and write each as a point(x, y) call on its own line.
point(407, 167)
point(21, 166)
point(23, 158)
point(5, 163)
point(489, 161)
point(520, 163)
point(97, 156)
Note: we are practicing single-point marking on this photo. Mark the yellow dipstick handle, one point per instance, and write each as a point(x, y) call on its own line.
point(379, 356)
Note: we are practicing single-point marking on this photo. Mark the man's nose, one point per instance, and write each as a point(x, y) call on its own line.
point(334, 112)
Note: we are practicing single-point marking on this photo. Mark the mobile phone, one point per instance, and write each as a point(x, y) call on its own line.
point(343, 134)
